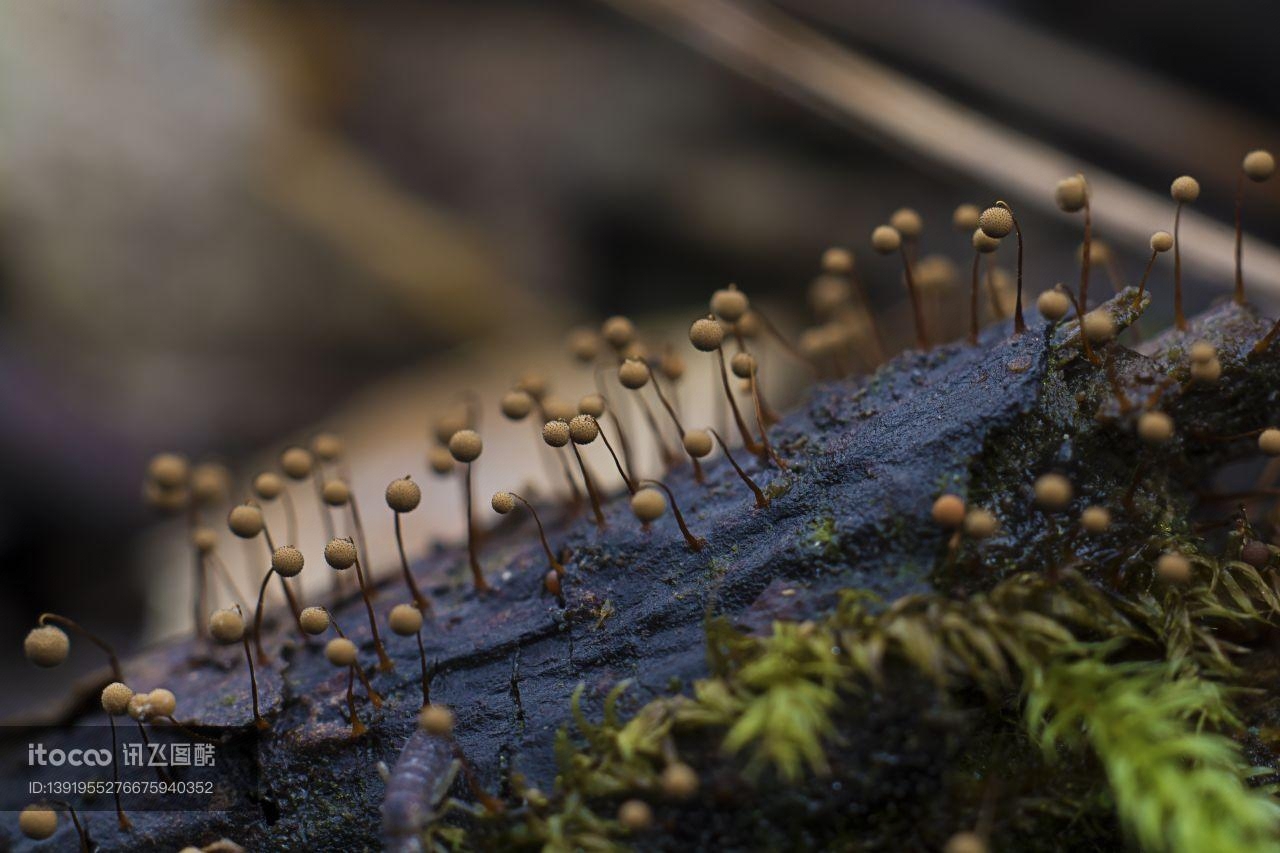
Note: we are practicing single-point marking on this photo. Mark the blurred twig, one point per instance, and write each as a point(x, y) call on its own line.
point(771, 47)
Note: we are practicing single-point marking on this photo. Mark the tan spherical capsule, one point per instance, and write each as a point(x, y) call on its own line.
point(38, 822)
point(168, 470)
point(1071, 194)
point(591, 404)
point(440, 460)
point(558, 409)
point(583, 345)
point(336, 493)
point(583, 429)
point(46, 646)
point(314, 620)
point(268, 485)
point(1099, 327)
point(1206, 371)
point(1095, 519)
point(245, 521)
point(996, 222)
point(287, 561)
point(1155, 427)
point(138, 708)
point(210, 483)
point(828, 294)
point(697, 443)
point(226, 626)
point(633, 374)
point(162, 702)
point(1053, 492)
point(980, 523)
point(636, 350)
point(743, 365)
point(1184, 189)
point(679, 781)
point(297, 462)
point(532, 382)
point(648, 505)
point(115, 698)
point(618, 331)
point(556, 433)
point(706, 335)
point(516, 405)
point(1161, 241)
point(466, 445)
point(1053, 305)
point(405, 620)
point(729, 303)
point(446, 425)
point(502, 502)
point(965, 842)
point(907, 222)
point(403, 495)
point(167, 501)
point(436, 720)
point(635, 815)
point(948, 511)
point(340, 554)
point(327, 446)
point(965, 218)
point(1173, 567)
point(1201, 352)
point(837, 261)
point(886, 239)
point(340, 652)
point(1269, 441)
point(551, 580)
point(1259, 165)
point(205, 539)
point(984, 243)
point(672, 364)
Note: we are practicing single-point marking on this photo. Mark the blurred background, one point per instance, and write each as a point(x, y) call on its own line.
point(226, 225)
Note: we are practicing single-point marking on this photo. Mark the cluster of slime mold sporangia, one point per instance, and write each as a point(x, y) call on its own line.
point(634, 779)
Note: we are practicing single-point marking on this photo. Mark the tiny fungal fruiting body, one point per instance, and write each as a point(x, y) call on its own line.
point(466, 446)
point(403, 496)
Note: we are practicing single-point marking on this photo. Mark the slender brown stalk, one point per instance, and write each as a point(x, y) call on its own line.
point(116, 672)
point(917, 310)
point(555, 564)
point(384, 662)
point(764, 431)
point(426, 681)
point(973, 299)
point(675, 419)
point(121, 817)
point(81, 832)
point(1019, 324)
point(1179, 318)
point(695, 543)
point(357, 728)
point(1142, 284)
point(626, 478)
point(1086, 255)
point(591, 486)
point(1239, 294)
point(418, 598)
point(477, 575)
point(761, 500)
point(374, 697)
point(748, 441)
